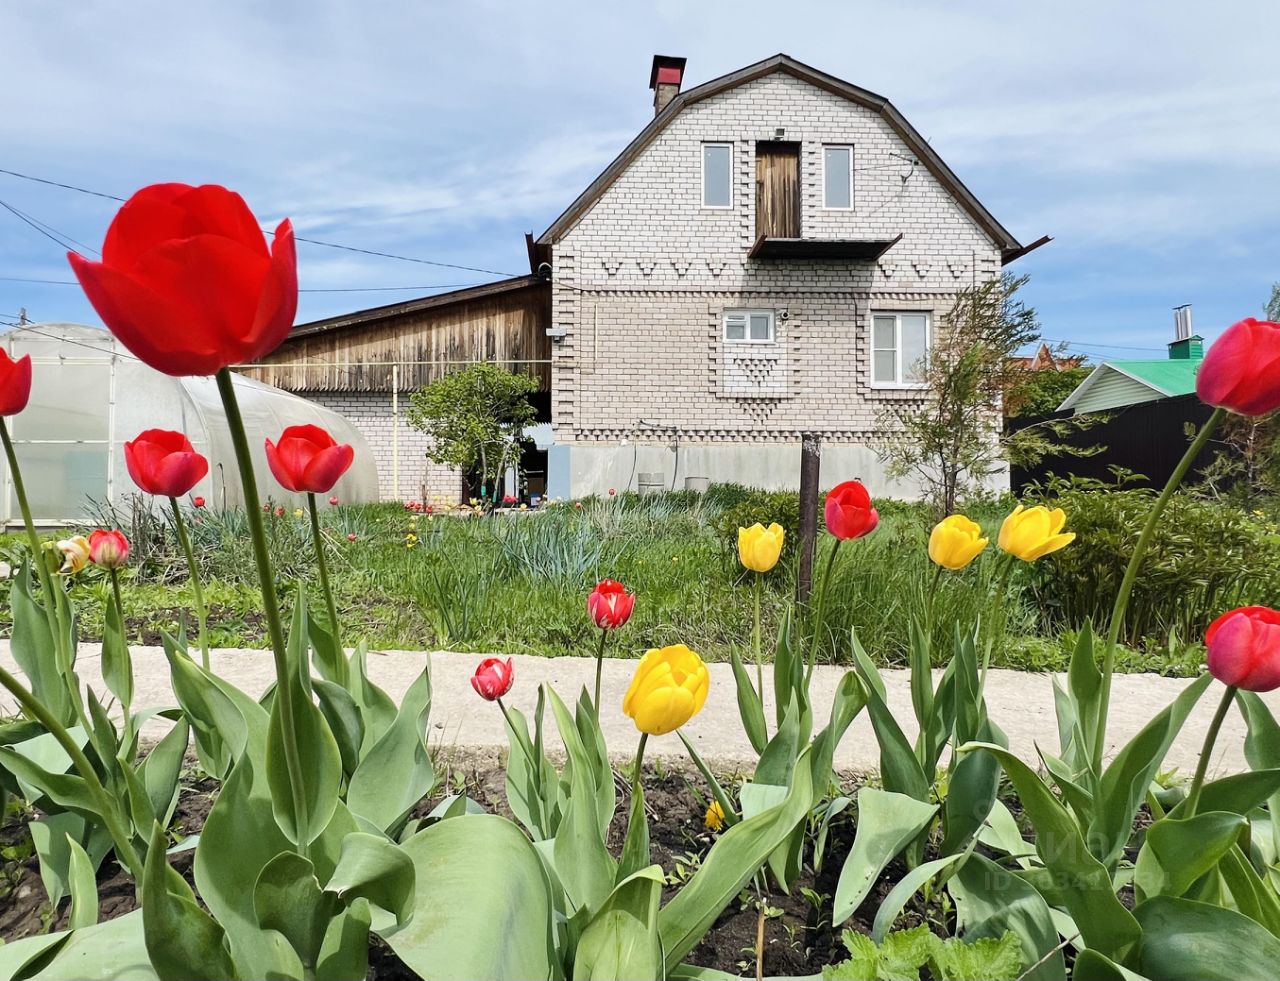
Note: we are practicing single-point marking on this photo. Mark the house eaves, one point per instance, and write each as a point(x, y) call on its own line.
point(1009, 246)
point(1166, 378)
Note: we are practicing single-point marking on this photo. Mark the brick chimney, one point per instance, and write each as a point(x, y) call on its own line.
point(665, 78)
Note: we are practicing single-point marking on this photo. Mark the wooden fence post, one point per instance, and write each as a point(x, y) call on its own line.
point(810, 467)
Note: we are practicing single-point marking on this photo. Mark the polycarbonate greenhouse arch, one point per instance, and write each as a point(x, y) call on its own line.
point(89, 396)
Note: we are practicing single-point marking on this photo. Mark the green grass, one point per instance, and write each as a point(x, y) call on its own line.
point(517, 583)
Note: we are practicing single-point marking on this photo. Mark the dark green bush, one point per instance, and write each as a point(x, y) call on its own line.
point(1206, 557)
point(764, 507)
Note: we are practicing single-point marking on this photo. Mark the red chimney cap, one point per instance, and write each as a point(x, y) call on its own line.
point(666, 70)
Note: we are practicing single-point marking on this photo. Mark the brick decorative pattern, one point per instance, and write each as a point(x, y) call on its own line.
point(642, 280)
point(372, 413)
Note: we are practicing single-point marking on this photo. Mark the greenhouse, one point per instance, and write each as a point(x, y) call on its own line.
point(89, 396)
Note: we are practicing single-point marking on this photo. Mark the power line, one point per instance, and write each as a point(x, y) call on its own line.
point(309, 241)
point(48, 231)
point(317, 289)
point(1118, 347)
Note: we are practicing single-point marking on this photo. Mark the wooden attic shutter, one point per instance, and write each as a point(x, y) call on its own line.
point(778, 189)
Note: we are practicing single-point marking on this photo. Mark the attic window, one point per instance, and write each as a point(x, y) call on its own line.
point(748, 326)
point(717, 188)
point(837, 177)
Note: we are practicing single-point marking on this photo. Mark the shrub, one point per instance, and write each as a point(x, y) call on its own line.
point(760, 506)
point(1206, 557)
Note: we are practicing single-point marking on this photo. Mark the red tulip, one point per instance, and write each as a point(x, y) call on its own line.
point(308, 460)
point(109, 549)
point(610, 604)
point(333, 501)
point(15, 383)
point(612, 492)
point(280, 512)
point(848, 511)
point(351, 537)
point(493, 678)
point(1244, 648)
point(186, 281)
point(165, 463)
point(198, 501)
point(1241, 372)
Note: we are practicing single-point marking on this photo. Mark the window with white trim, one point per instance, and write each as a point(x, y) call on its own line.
point(749, 326)
point(899, 346)
point(717, 169)
point(837, 177)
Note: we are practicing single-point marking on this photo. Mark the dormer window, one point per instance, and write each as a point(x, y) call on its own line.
point(837, 177)
point(717, 166)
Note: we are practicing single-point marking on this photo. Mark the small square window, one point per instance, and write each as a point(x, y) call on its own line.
point(717, 184)
point(749, 326)
point(837, 177)
point(899, 347)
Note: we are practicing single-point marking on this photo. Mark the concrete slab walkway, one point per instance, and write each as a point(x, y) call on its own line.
point(1020, 703)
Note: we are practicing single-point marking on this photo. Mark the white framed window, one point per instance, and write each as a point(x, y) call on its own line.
point(899, 345)
point(749, 326)
point(837, 177)
point(717, 175)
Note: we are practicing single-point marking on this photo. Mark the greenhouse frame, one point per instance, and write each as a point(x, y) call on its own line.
point(89, 396)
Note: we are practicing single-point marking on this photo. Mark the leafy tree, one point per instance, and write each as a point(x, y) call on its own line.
point(1272, 310)
point(1041, 392)
point(474, 418)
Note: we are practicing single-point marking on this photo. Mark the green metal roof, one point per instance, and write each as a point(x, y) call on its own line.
point(1118, 383)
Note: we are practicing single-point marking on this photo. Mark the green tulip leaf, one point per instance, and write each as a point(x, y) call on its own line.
point(377, 710)
point(183, 941)
point(471, 873)
point(887, 823)
point(117, 664)
point(906, 887)
point(1177, 852)
point(225, 720)
point(971, 792)
point(35, 649)
point(83, 884)
point(112, 951)
point(1252, 895)
point(991, 901)
point(397, 772)
point(287, 898)
point(1094, 966)
point(1186, 939)
point(343, 715)
point(635, 847)
point(750, 707)
point(162, 768)
point(621, 942)
point(375, 870)
point(1082, 881)
point(1125, 782)
point(345, 951)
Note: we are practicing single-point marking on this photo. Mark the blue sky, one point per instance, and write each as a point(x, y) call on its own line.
point(1145, 137)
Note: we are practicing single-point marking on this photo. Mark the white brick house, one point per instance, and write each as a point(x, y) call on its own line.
point(767, 259)
point(698, 332)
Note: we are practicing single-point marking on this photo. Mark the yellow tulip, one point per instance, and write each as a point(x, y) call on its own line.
point(714, 818)
point(1029, 533)
point(669, 688)
point(955, 542)
point(75, 554)
point(759, 547)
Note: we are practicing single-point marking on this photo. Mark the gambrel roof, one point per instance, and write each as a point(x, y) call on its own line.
point(1009, 246)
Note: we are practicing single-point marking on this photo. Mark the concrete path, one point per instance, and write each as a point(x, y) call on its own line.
point(463, 724)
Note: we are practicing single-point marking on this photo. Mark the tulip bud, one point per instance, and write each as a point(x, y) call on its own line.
point(109, 549)
point(669, 688)
point(759, 547)
point(713, 820)
point(1244, 648)
point(955, 542)
point(493, 678)
point(351, 537)
point(75, 554)
point(333, 501)
point(610, 604)
point(15, 383)
point(198, 502)
point(848, 511)
point(1030, 533)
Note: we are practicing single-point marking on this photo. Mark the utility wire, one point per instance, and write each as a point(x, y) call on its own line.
point(48, 231)
point(326, 289)
point(309, 241)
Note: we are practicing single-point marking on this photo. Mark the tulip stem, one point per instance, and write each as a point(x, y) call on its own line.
point(599, 668)
point(270, 602)
point(755, 636)
point(323, 564)
point(53, 609)
point(105, 806)
point(1210, 737)
point(1131, 574)
point(639, 765)
point(193, 573)
point(816, 627)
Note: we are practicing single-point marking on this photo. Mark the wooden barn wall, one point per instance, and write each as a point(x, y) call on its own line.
point(508, 329)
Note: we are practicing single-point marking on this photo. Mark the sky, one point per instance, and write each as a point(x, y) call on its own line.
point(1144, 137)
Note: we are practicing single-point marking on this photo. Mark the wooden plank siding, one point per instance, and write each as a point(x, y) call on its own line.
point(778, 190)
point(427, 338)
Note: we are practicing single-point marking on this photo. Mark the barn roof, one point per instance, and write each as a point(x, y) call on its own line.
point(1009, 245)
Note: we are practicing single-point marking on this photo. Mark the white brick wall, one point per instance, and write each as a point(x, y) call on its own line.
point(419, 478)
point(642, 280)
